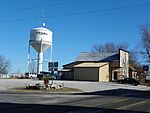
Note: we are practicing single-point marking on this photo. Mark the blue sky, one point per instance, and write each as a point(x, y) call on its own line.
point(76, 26)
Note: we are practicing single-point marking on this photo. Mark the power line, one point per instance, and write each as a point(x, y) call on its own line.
point(36, 7)
point(102, 10)
point(82, 12)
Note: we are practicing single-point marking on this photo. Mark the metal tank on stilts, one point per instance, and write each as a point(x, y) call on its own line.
point(40, 40)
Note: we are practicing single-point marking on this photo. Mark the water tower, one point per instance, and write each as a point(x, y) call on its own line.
point(40, 40)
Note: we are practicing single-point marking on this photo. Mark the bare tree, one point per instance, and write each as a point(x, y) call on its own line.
point(145, 32)
point(109, 47)
point(123, 46)
point(134, 58)
point(4, 65)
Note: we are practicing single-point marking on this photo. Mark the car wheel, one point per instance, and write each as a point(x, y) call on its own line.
point(135, 84)
point(121, 82)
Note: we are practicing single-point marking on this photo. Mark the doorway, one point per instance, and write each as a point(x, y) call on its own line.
point(115, 75)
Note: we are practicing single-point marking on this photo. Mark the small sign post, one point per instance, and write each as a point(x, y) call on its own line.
point(53, 68)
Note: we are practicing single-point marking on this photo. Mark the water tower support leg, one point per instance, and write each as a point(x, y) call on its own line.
point(51, 54)
point(40, 62)
point(28, 58)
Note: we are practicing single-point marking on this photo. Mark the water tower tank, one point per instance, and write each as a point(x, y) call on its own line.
point(40, 40)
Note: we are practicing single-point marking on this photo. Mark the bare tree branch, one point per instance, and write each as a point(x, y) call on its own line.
point(109, 47)
point(145, 32)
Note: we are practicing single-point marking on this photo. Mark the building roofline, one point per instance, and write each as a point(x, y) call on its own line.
point(123, 50)
point(68, 64)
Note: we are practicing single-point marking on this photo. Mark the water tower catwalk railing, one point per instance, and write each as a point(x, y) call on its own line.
point(40, 40)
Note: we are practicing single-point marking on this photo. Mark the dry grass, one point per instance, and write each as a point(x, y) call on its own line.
point(65, 89)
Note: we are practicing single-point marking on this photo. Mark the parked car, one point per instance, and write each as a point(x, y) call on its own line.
point(129, 81)
point(30, 75)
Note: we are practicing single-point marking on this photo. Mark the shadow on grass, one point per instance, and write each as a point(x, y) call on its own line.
point(37, 108)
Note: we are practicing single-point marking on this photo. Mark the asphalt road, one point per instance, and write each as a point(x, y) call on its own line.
point(111, 101)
